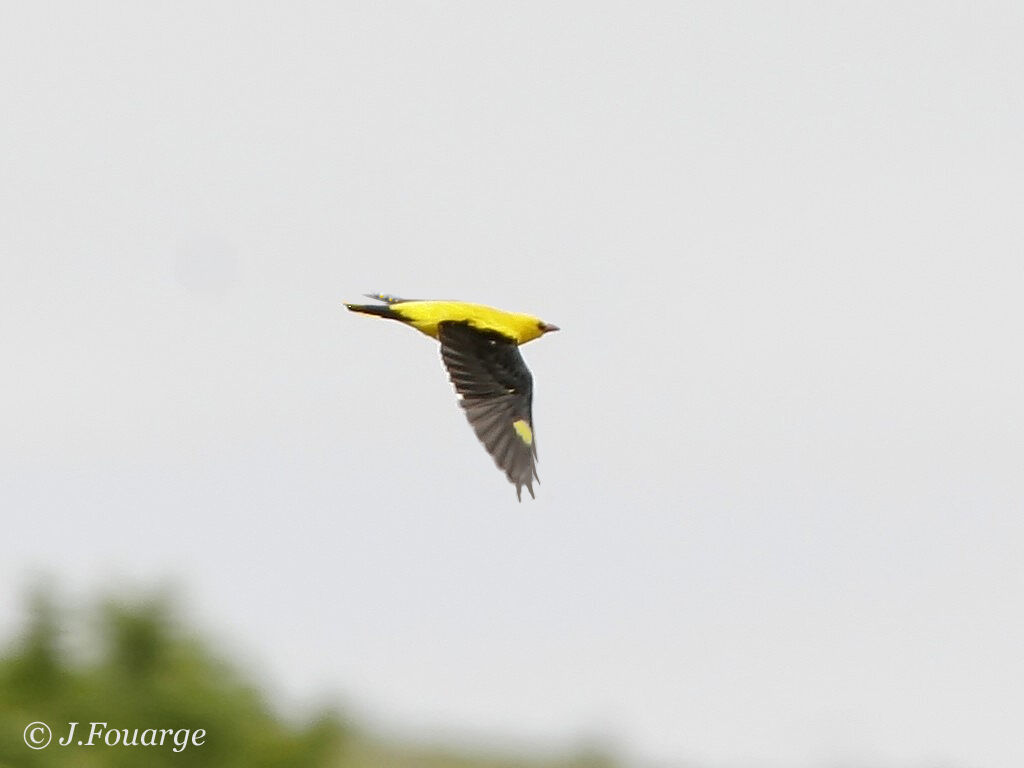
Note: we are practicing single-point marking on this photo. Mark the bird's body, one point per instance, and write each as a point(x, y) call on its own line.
point(479, 347)
point(425, 316)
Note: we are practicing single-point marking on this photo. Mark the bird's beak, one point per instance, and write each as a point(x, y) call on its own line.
point(548, 327)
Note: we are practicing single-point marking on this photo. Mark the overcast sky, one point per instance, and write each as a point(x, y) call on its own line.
point(781, 433)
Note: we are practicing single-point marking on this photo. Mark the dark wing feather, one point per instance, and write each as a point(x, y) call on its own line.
point(496, 391)
point(387, 298)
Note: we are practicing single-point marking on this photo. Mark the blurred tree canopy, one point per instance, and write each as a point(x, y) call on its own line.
point(143, 668)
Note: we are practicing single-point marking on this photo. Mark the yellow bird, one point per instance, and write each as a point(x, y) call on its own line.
point(480, 349)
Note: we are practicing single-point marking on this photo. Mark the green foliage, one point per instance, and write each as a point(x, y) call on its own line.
point(143, 670)
point(141, 667)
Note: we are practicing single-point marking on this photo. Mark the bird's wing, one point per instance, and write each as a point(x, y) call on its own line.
point(496, 391)
point(387, 298)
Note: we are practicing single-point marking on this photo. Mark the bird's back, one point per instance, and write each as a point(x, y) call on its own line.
point(426, 315)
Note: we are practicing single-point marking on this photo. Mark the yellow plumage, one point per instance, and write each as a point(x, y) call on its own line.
point(425, 315)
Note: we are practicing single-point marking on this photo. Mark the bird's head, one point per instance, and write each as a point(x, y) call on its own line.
point(527, 328)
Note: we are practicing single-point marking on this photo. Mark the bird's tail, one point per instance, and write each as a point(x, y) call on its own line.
point(376, 309)
point(381, 310)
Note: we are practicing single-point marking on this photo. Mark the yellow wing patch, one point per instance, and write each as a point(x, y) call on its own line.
point(523, 430)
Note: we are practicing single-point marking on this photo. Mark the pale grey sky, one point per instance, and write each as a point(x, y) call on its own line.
point(781, 433)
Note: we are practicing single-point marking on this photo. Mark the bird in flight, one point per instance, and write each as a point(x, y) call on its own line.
point(480, 349)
